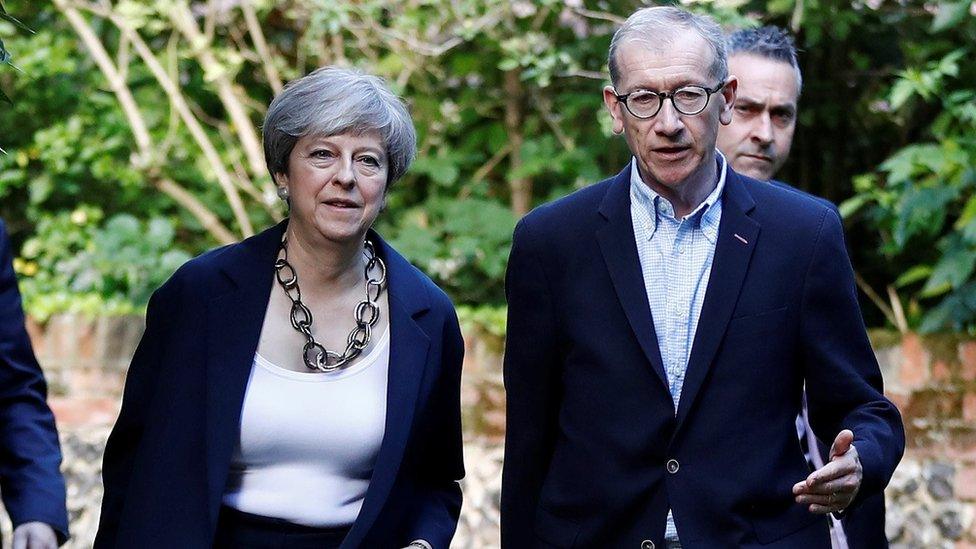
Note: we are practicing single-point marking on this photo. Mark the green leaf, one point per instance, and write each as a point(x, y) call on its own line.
point(508, 64)
point(901, 92)
point(952, 270)
point(913, 275)
point(851, 205)
point(968, 214)
point(949, 14)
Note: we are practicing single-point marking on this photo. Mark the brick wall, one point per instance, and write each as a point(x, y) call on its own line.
point(931, 499)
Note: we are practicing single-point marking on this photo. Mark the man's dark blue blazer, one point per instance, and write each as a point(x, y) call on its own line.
point(596, 454)
point(30, 455)
point(167, 459)
point(864, 526)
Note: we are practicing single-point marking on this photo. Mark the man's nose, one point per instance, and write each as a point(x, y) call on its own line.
point(762, 130)
point(668, 120)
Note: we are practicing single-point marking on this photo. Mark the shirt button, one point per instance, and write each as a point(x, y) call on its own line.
point(647, 544)
point(673, 466)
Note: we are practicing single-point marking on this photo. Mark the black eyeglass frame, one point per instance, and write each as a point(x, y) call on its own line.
point(662, 96)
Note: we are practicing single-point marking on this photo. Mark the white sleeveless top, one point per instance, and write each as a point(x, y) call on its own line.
point(308, 441)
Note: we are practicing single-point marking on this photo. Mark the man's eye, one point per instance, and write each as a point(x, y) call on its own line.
point(745, 109)
point(643, 98)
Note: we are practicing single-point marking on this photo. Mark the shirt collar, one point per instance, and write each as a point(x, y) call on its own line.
point(708, 213)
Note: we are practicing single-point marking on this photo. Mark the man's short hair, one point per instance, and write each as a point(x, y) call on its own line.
point(657, 27)
point(769, 42)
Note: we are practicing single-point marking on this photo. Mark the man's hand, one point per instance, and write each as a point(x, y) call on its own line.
point(35, 535)
point(833, 487)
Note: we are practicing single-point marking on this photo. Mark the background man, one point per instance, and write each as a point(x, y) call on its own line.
point(757, 143)
point(30, 480)
point(662, 324)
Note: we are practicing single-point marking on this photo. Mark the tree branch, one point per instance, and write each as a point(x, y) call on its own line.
point(137, 125)
point(257, 35)
point(876, 299)
point(193, 125)
point(183, 21)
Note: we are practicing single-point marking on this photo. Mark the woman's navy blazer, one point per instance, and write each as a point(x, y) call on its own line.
point(167, 459)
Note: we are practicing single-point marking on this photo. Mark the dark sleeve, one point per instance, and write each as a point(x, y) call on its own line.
point(30, 455)
point(531, 371)
point(123, 442)
point(440, 462)
point(844, 384)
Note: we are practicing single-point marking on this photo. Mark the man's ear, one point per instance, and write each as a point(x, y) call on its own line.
point(728, 99)
point(615, 108)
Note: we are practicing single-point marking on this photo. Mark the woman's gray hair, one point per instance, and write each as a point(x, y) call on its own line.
point(656, 28)
point(333, 101)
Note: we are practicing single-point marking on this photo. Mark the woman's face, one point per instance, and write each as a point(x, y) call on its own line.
point(336, 185)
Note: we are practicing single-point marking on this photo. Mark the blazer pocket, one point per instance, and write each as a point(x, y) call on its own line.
point(555, 531)
point(757, 323)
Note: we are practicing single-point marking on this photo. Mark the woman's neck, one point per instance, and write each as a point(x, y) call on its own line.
point(325, 268)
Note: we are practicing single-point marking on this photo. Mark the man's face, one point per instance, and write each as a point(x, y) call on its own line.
point(671, 148)
point(758, 140)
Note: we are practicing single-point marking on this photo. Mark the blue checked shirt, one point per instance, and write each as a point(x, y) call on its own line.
point(676, 260)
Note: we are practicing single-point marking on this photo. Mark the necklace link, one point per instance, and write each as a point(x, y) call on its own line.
point(367, 312)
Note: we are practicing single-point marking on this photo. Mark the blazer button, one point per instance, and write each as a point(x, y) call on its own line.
point(647, 544)
point(672, 466)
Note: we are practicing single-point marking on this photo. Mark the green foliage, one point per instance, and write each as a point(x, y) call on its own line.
point(488, 319)
point(5, 56)
point(506, 97)
point(922, 199)
point(80, 262)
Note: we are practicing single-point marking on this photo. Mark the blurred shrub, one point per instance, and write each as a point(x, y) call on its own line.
point(922, 199)
point(79, 262)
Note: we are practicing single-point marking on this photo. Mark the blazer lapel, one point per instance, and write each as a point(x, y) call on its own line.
point(737, 235)
point(409, 346)
point(619, 250)
point(234, 319)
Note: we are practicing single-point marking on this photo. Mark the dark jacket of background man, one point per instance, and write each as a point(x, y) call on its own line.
point(30, 455)
point(757, 143)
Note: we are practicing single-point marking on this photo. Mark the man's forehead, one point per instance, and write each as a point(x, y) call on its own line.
point(762, 79)
point(686, 55)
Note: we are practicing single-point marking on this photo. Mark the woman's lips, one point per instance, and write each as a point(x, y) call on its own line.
point(340, 203)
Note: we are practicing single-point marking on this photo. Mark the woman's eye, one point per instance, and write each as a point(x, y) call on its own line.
point(321, 153)
point(369, 161)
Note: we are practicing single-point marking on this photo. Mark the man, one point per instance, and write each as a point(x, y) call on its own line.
point(757, 143)
point(30, 480)
point(662, 324)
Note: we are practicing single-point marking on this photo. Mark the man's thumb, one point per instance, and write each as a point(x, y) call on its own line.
point(842, 443)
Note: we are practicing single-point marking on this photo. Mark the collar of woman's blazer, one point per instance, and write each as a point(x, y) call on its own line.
point(251, 262)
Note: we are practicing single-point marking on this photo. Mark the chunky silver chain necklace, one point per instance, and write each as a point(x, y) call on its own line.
point(367, 312)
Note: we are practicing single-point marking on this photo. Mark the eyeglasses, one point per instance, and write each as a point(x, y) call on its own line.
point(688, 100)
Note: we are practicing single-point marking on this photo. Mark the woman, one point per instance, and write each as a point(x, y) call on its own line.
point(300, 388)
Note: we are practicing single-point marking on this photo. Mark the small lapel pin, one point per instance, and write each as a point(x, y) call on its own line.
point(744, 241)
